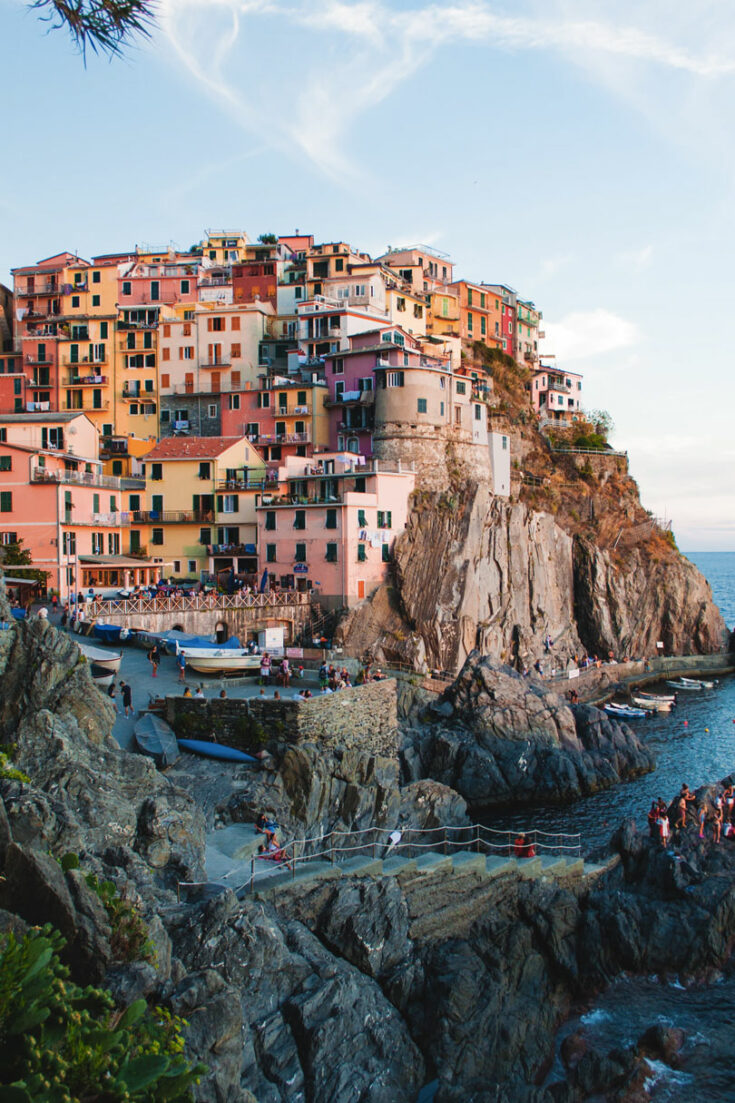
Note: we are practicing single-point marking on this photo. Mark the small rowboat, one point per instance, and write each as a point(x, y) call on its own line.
point(653, 706)
point(667, 698)
point(155, 738)
point(625, 712)
point(209, 660)
point(108, 660)
point(216, 750)
point(691, 684)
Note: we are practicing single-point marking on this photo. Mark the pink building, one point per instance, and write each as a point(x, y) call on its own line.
point(556, 395)
point(329, 525)
point(55, 499)
point(351, 380)
point(142, 283)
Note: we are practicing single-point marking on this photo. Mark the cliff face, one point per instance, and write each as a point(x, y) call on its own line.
point(473, 571)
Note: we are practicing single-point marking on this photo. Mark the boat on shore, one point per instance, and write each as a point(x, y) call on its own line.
point(155, 738)
point(102, 678)
point(107, 660)
point(691, 684)
point(624, 712)
point(216, 750)
point(208, 660)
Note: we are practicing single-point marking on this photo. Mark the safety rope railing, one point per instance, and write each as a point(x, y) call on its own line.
point(376, 843)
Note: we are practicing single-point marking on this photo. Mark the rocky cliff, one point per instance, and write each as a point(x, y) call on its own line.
point(473, 571)
point(501, 739)
point(349, 990)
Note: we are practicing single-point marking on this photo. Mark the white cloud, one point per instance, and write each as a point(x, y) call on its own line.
point(378, 47)
point(584, 334)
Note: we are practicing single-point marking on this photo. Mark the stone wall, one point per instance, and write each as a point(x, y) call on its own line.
point(437, 456)
point(364, 718)
point(239, 621)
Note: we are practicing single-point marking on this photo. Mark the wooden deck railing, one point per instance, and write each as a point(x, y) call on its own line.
point(185, 603)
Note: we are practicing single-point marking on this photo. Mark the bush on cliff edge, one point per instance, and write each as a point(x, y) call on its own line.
point(60, 1043)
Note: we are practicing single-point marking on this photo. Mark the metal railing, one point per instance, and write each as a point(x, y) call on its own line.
point(76, 478)
point(374, 843)
point(174, 603)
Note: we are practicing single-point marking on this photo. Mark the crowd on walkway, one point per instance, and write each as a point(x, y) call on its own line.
point(715, 814)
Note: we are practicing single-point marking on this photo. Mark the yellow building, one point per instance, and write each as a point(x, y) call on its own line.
point(201, 498)
point(86, 345)
point(224, 246)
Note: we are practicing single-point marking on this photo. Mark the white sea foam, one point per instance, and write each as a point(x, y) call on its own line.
point(663, 1073)
point(596, 1016)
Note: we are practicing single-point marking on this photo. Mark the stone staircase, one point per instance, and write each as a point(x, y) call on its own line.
point(230, 852)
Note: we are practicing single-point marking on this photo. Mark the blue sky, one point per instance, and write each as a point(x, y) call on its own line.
point(581, 152)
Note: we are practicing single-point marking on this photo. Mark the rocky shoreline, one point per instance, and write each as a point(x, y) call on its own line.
point(362, 987)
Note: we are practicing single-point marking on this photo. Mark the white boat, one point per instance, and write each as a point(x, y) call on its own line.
point(210, 660)
point(666, 698)
point(691, 684)
point(623, 711)
point(103, 681)
point(651, 705)
point(108, 660)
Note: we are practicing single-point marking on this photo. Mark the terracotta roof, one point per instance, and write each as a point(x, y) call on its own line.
point(191, 448)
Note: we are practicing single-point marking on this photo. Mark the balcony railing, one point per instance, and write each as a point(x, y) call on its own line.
point(44, 289)
point(241, 484)
point(113, 447)
point(281, 438)
point(230, 549)
point(172, 517)
point(74, 478)
point(88, 407)
point(215, 364)
point(38, 360)
point(85, 380)
point(85, 364)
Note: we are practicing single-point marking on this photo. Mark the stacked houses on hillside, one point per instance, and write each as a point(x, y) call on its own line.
point(254, 411)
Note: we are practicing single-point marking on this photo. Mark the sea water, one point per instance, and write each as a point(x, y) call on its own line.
point(706, 1014)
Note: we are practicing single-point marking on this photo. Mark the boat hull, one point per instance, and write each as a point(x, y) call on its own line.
point(220, 662)
point(106, 660)
point(155, 738)
point(216, 750)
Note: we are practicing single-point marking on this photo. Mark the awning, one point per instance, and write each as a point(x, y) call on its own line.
point(118, 561)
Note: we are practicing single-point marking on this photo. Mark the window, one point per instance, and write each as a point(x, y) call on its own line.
point(361, 519)
point(505, 444)
point(69, 543)
point(192, 565)
point(134, 502)
point(469, 296)
point(270, 520)
point(331, 555)
point(127, 287)
point(95, 503)
point(156, 470)
point(157, 503)
point(98, 543)
point(422, 405)
point(215, 325)
point(270, 553)
point(483, 325)
point(385, 552)
point(418, 311)
point(331, 519)
point(205, 470)
point(300, 553)
point(234, 402)
point(95, 300)
point(8, 537)
point(469, 323)
point(113, 543)
point(338, 365)
point(6, 501)
point(385, 519)
point(184, 287)
point(299, 519)
point(75, 300)
point(235, 323)
point(400, 303)
point(361, 553)
point(478, 413)
point(457, 415)
point(156, 536)
point(339, 265)
point(461, 387)
point(230, 503)
point(95, 277)
point(6, 463)
point(103, 331)
point(394, 378)
point(264, 400)
point(155, 290)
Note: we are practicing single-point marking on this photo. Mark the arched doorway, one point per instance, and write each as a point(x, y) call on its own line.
point(222, 632)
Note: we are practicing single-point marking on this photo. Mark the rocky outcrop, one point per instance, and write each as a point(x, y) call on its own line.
point(473, 571)
point(629, 611)
point(500, 739)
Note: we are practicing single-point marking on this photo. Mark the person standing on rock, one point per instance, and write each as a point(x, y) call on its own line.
point(702, 820)
point(717, 826)
point(681, 818)
point(663, 824)
point(127, 698)
point(548, 643)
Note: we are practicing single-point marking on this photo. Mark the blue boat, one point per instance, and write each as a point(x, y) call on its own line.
point(624, 712)
point(216, 750)
point(109, 633)
point(154, 737)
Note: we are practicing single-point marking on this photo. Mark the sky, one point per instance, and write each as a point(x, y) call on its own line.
point(581, 152)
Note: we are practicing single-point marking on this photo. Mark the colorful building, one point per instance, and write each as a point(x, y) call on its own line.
point(283, 417)
point(528, 319)
point(201, 504)
point(556, 395)
point(54, 497)
point(329, 525)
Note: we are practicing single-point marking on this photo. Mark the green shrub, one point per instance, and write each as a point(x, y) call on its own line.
point(9, 772)
point(60, 1043)
point(129, 941)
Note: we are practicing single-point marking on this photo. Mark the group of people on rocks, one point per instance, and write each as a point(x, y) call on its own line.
point(270, 849)
point(718, 812)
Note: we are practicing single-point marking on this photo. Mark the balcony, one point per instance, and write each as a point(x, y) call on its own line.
point(85, 380)
point(172, 517)
point(362, 428)
point(37, 360)
point(85, 364)
point(241, 484)
point(87, 407)
point(282, 438)
point(137, 325)
point(42, 289)
point(231, 549)
point(112, 446)
point(131, 395)
point(215, 364)
point(74, 478)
